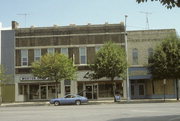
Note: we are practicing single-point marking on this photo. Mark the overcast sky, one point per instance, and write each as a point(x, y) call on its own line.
point(64, 12)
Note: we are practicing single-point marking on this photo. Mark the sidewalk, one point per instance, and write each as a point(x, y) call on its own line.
point(91, 102)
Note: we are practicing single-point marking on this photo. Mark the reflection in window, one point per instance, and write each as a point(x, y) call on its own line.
point(50, 50)
point(82, 54)
point(64, 51)
point(37, 54)
point(135, 56)
point(24, 57)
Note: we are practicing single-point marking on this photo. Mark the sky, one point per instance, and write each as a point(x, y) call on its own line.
point(44, 13)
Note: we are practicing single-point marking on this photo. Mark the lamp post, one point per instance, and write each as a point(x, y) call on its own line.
point(127, 71)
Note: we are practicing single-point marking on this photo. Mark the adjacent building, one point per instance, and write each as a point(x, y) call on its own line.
point(141, 45)
point(7, 54)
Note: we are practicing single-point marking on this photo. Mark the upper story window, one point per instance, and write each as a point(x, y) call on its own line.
point(50, 50)
point(135, 56)
point(150, 54)
point(97, 48)
point(24, 57)
point(37, 54)
point(64, 51)
point(82, 55)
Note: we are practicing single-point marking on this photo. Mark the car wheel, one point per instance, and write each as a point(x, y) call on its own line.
point(56, 103)
point(78, 102)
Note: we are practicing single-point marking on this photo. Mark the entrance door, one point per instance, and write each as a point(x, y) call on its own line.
point(141, 90)
point(43, 92)
point(137, 90)
point(91, 91)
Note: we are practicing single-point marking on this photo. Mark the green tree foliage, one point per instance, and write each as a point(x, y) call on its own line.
point(5, 78)
point(167, 3)
point(110, 62)
point(54, 67)
point(165, 63)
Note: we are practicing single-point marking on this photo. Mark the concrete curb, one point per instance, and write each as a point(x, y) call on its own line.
point(96, 102)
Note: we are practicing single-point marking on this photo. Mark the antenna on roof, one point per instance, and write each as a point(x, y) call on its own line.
point(147, 20)
point(25, 17)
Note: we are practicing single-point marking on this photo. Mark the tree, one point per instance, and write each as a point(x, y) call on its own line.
point(165, 63)
point(54, 67)
point(167, 3)
point(4, 78)
point(110, 62)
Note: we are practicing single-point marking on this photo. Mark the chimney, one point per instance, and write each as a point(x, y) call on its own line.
point(15, 25)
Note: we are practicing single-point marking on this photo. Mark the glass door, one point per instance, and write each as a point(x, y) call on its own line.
point(43, 92)
point(89, 91)
point(92, 91)
point(141, 90)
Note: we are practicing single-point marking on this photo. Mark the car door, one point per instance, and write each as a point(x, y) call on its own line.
point(67, 100)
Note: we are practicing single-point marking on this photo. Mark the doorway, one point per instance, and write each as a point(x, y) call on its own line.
point(43, 91)
point(92, 91)
point(137, 90)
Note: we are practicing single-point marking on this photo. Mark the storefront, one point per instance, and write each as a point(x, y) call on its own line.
point(139, 77)
point(99, 89)
point(143, 86)
point(39, 90)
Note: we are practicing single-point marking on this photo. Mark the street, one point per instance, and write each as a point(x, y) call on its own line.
point(101, 112)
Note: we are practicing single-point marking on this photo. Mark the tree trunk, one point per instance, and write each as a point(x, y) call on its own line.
point(114, 89)
point(177, 89)
point(56, 89)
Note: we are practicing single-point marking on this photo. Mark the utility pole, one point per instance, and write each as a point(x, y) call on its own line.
point(127, 70)
point(25, 17)
point(147, 20)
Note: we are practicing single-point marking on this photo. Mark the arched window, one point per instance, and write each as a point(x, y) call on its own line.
point(135, 56)
point(150, 54)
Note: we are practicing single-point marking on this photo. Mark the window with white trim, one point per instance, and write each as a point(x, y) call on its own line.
point(64, 51)
point(50, 50)
point(37, 54)
point(24, 57)
point(82, 55)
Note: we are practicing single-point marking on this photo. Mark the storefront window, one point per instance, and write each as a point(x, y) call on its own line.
point(67, 90)
point(105, 90)
point(34, 91)
point(20, 89)
point(119, 89)
point(80, 89)
point(51, 92)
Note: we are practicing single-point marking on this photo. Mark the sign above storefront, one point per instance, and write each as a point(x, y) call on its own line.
point(139, 73)
point(32, 79)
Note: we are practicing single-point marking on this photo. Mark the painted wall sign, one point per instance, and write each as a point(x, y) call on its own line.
point(139, 73)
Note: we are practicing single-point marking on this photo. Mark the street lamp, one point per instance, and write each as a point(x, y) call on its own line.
point(127, 71)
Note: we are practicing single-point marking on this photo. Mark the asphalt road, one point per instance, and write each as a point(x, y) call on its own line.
point(102, 112)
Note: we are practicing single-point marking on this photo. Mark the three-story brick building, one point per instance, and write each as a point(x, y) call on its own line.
point(79, 43)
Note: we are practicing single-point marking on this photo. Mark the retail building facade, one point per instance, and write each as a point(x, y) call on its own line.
point(80, 43)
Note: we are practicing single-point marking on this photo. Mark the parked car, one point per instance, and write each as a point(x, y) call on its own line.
point(69, 99)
